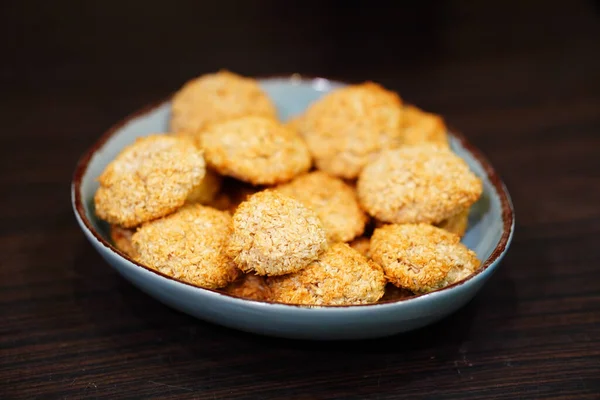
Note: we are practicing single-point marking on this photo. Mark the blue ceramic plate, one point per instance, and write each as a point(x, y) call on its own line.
point(491, 226)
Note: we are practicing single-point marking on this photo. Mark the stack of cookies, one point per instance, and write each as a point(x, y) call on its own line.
point(356, 200)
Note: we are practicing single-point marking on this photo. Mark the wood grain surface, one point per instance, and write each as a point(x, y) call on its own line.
point(520, 79)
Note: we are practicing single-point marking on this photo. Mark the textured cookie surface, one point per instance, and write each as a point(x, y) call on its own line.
point(189, 245)
point(149, 179)
point(121, 237)
point(346, 128)
point(425, 183)
point(274, 235)
point(217, 97)
point(250, 286)
point(420, 127)
point(421, 257)
point(456, 224)
point(257, 150)
point(340, 276)
point(333, 200)
point(362, 245)
point(207, 190)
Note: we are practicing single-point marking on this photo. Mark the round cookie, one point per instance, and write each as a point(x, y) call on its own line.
point(420, 127)
point(294, 124)
point(456, 224)
point(257, 150)
point(340, 276)
point(188, 245)
point(348, 127)
point(362, 245)
point(425, 183)
point(121, 238)
point(274, 235)
point(250, 286)
point(333, 200)
point(207, 190)
point(217, 97)
point(421, 257)
point(149, 179)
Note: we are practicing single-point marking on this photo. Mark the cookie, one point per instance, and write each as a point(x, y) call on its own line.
point(348, 127)
point(425, 183)
point(148, 179)
point(207, 190)
point(420, 127)
point(217, 97)
point(340, 276)
point(121, 237)
point(189, 245)
point(456, 224)
point(250, 286)
point(274, 234)
point(257, 150)
point(421, 257)
point(362, 245)
point(333, 200)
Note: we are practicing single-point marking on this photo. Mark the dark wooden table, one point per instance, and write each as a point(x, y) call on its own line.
point(521, 80)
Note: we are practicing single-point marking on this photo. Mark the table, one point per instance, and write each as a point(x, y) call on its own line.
point(520, 79)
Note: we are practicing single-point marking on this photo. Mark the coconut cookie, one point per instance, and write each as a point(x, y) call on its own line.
point(456, 224)
point(421, 257)
point(250, 286)
point(294, 124)
point(420, 127)
point(149, 179)
point(217, 97)
point(425, 183)
point(189, 245)
point(257, 150)
point(348, 127)
point(333, 200)
point(121, 238)
point(274, 235)
point(207, 190)
point(362, 245)
point(341, 276)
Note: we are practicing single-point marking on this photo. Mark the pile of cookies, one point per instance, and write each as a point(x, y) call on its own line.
point(358, 199)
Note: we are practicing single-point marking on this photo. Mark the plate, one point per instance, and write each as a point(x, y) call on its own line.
point(491, 226)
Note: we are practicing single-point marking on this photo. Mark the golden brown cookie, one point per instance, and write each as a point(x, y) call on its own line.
point(188, 245)
point(274, 234)
point(217, 97)
point(250, 286)
point(340, 276)
point(121, 238)
point(421, 257)
point(362, 245)
point(148, 179)
point(456, 224)
point(425, 183)
point(257, 150)
point(333, 200)
point(294, 124)
point(420, 127)
point(348, 127)
point(207, 190)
